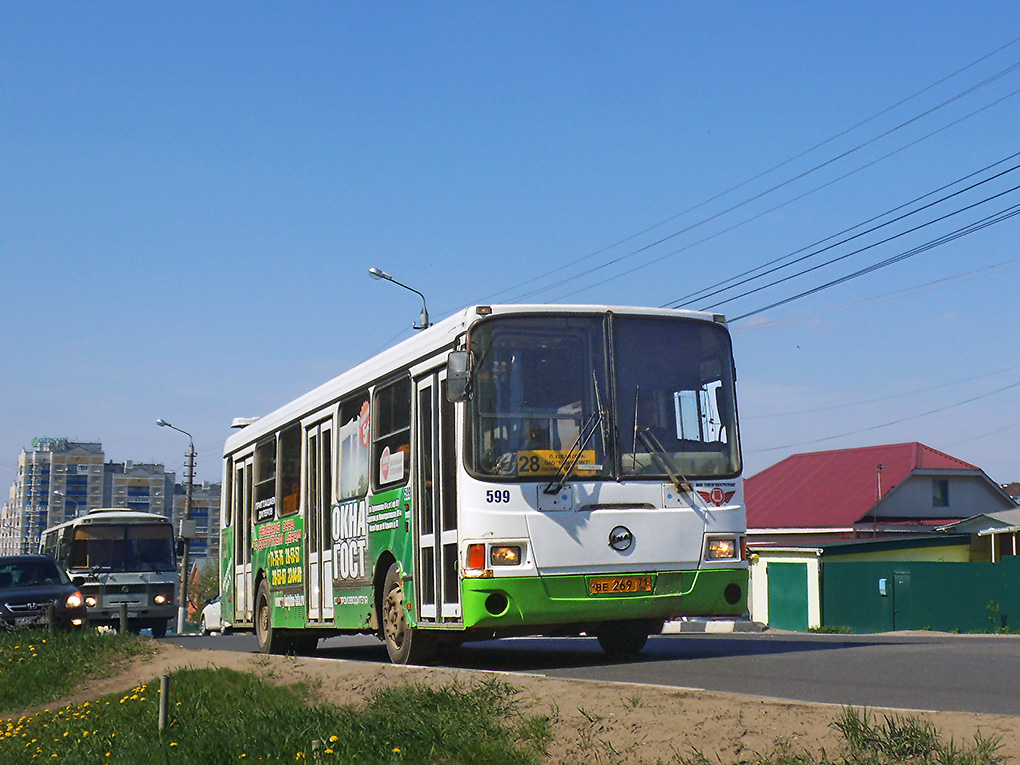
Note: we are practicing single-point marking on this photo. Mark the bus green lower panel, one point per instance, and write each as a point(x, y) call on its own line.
point(561, 600)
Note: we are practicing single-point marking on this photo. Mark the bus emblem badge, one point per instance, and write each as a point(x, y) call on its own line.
point(717, 496)
point(620, 539)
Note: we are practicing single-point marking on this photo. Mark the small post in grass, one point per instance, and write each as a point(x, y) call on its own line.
point(164, 701)
point(123, 618)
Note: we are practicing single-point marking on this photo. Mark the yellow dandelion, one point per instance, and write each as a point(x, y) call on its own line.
point(173, 743)
point(396, 750)
point(329, 751)
point(333, 739)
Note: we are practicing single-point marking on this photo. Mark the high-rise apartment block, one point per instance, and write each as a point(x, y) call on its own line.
point(59, 479)
point(205, 512)
point(138, 486)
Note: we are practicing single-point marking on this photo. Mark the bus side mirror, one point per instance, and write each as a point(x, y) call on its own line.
point(180, 548)
point(458, 376)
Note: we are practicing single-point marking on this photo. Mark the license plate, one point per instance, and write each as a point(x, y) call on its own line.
point(619, 585)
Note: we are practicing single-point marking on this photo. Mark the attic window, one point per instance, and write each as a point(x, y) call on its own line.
point(940, 492)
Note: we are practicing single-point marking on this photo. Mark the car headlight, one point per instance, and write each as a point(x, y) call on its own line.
point(74, 600)
point(91, 601)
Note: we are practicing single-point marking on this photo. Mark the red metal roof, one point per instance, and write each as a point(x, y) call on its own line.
point(835, 488)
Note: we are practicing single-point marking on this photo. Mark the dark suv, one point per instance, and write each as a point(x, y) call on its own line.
point(34, 590)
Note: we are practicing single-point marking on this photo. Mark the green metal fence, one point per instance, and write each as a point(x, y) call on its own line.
point(947, 597)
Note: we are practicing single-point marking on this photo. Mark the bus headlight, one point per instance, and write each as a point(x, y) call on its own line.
point(505, 555)
point(91, 601)
point(160, 599)
point(73, 600)
point(722, 549)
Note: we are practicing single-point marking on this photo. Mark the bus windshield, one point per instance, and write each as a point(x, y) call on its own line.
point(538, 380)
point(123, 547)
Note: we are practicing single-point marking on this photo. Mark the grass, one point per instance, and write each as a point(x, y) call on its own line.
point(895, 740)
point(219, 715)
point(37, 667)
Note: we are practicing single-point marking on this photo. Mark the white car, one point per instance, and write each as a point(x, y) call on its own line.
point(212, 620)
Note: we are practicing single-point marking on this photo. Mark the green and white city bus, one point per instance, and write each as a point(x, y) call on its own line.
point(512, 470)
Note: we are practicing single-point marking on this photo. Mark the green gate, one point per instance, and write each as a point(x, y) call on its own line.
point(788, 596)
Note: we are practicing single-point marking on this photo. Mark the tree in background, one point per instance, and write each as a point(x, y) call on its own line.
point(205, 585)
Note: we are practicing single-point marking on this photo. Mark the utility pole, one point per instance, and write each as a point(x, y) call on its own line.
point(182, 614)
point(186, 532)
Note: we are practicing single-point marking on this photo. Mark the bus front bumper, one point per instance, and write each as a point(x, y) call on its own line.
point(512, 603)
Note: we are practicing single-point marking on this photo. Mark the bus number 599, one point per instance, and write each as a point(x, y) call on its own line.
point(498, 497)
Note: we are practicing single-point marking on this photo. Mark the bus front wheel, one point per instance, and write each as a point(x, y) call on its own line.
point(404, 644)
point(270, 640)
point(621, 640)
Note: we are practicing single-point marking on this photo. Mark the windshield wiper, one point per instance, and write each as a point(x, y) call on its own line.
point(657, 450)
point(588, 429)
point(660, 455)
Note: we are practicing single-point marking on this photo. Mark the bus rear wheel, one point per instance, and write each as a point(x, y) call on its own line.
point(404, 644)
point(270, 640)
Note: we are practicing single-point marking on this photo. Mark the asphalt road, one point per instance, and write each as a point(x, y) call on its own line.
point(919, 671)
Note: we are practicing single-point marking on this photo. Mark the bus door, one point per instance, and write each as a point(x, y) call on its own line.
point(319, 501)
point(243, 520)
point(435, 505)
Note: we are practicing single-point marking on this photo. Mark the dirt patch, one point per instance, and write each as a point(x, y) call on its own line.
point(592, 721)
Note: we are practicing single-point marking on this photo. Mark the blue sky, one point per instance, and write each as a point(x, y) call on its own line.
point(192, 195)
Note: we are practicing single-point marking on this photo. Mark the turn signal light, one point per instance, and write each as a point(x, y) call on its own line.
point(476, 556)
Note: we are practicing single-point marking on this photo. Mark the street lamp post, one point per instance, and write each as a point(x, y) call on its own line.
point(424, 322)
point(182, 612)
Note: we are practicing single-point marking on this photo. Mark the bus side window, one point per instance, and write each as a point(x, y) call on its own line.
point(290, 470)
point(391, 442)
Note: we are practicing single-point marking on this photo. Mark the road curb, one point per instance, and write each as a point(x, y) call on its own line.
point(713, 626)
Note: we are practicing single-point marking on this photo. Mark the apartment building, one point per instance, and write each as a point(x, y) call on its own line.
point(57, 480)
point(205, 512)
point(142, 487)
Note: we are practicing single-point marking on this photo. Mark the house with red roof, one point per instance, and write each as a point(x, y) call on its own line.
point(868, 492)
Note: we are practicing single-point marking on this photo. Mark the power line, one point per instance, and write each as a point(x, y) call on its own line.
point(991, 220)
point(660, 258)
point(891, 423)
point(889, 296)
point(732, 282)
point(958, 96)
point(829, 262)
point(882, 398)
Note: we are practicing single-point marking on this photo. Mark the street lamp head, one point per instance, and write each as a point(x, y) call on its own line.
point(377, 273)
point(163, 423)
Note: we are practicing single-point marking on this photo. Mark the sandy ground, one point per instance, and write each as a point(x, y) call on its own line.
point(592, 721)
